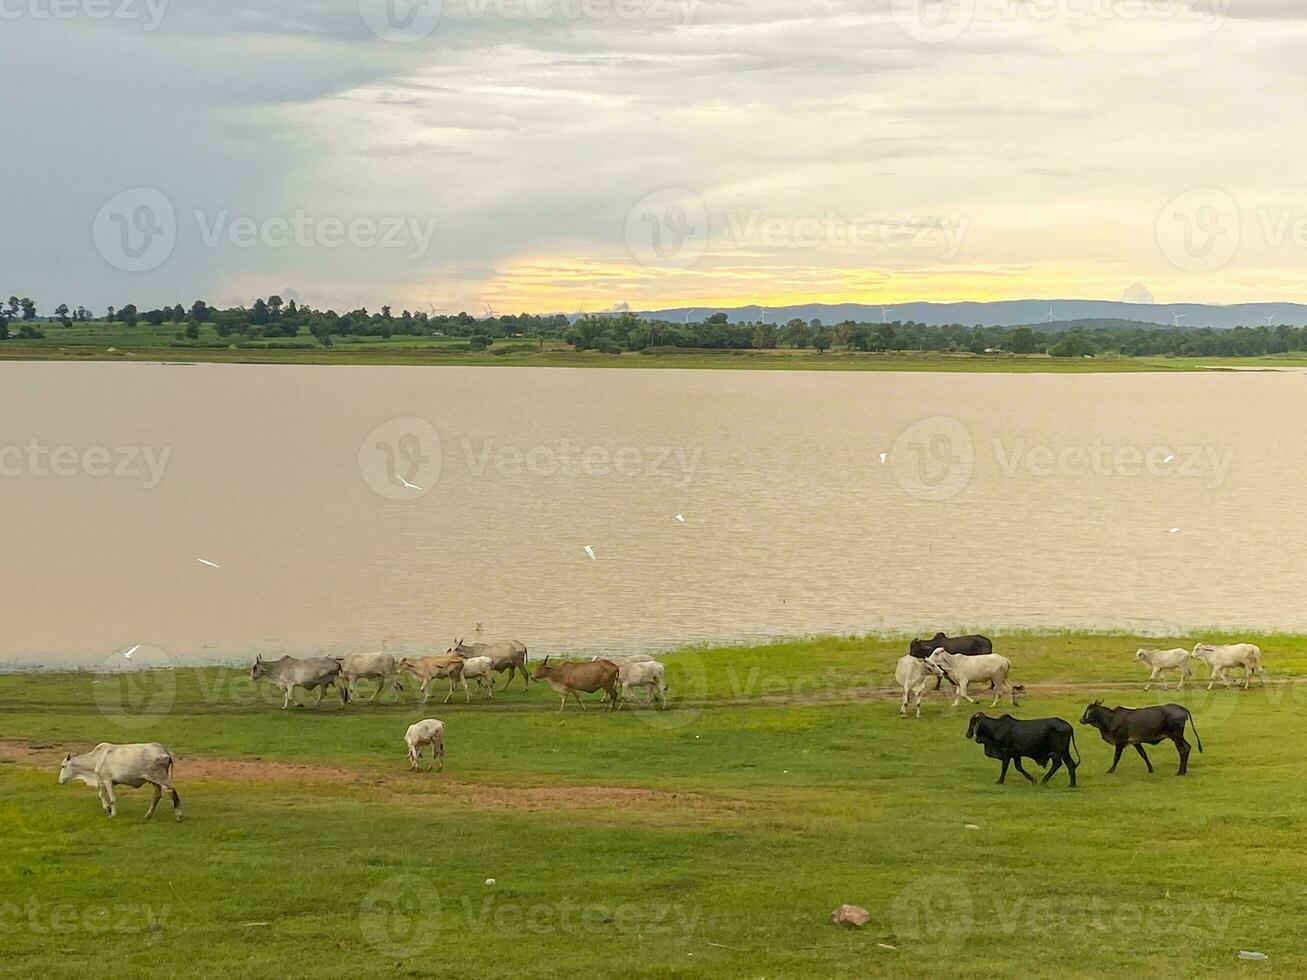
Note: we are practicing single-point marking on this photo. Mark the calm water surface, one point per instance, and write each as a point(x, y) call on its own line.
point(1003, 500)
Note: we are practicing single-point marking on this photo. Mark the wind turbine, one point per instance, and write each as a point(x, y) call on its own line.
point(687, 316)
point(762, 313)
point(1268, 318)
point(1051, 316)
point(885, 311)
point(490, 310)
point(1180, 316)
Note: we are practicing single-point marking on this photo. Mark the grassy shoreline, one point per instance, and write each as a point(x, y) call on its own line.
point(709, 840)
point(448, 355)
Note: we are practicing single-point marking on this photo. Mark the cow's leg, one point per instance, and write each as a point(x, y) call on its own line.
point(320, 689)
point(579, 701)
point(1017, 762)
point(1152, 677)
point(381, 686)
point(154, 801)
point(451, 692)
point(414, 754)
point(286, 704)
point(1183, 748)
point(1002, 776)
point(1057, 764)
point(1143, 755)
point(563, 705)
point(903, 707)
point(1071, 768)
point(111, 798)
point(1116, 759)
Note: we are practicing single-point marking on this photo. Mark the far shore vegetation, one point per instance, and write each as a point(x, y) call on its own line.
point(276, 331)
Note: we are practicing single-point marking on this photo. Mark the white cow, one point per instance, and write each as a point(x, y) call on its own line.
point(1160, 661)
point(483, 670)
point(108, 765)
point(379, 667)
point(423, 733)
point(914, 676)
point(1220, 659)
point(648, 674)
point(962, 671)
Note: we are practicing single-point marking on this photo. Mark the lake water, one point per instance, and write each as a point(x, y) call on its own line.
point(1004, 500)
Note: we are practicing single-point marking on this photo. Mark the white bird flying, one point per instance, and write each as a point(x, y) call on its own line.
point(205, 561)
point(129, 653)
point(591, 552)
point(407, 485)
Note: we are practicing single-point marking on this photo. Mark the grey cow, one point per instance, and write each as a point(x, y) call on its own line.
point(508, 655)
point(312, 674)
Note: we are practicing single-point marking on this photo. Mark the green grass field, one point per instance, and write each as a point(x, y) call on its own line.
point(98, 341)
point(712, 839)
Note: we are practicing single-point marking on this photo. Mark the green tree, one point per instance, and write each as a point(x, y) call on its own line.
point(129, 315)
point(192, 330)
point(29, 308)
point(61, 312)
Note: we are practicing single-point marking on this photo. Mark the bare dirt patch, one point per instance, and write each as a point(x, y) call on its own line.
point(404, 786)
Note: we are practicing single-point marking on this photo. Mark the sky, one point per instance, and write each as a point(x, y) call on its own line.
point(585, 155)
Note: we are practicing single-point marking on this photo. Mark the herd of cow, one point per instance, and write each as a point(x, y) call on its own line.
point(964, 660)
point(481, 662)
point(961, 661)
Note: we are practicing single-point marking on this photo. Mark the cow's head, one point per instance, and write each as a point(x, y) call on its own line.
point(259, 668)
point(938, 638)
point(542, 671)
point(1141, 654)
point(459, 649)
point(1096, 715)
point(65, 769)
point(974, 729)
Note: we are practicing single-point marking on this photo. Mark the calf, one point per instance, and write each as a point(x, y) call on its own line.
point(1220, 659)
point(108, 765)
point(1011, 740)
point(1142, 726)
point(427, 669)
point(429, 732)
point(963, 670)
point(567, 679)
point(1160, 661)
point(914, 677)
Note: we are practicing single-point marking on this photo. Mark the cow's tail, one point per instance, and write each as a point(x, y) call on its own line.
point(1075, 746)
point(1195, 728)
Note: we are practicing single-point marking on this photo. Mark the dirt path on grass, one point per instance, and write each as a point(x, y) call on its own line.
point(403, 786)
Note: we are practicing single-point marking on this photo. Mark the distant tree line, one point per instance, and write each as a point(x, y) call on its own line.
point(274, 317)
point(614, 333)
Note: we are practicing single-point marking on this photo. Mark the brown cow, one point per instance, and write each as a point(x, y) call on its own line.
point(569, 678)
point(427, 669)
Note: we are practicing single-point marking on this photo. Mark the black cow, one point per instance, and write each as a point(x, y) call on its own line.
point(1143, 726)
point(1011, 740)
point(962, 646)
